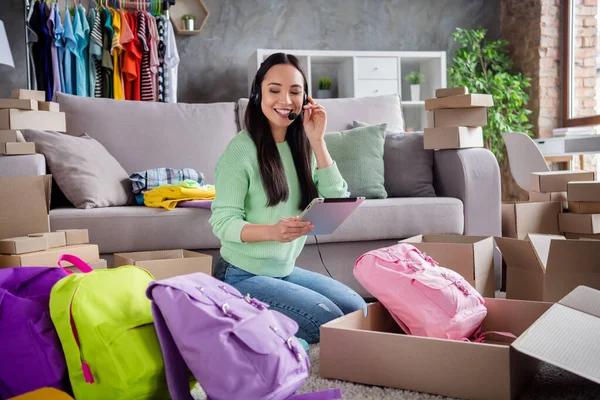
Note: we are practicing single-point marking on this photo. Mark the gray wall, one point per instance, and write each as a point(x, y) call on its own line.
point(214, 63)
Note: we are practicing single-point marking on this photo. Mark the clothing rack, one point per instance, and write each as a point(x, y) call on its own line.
point(166, 4)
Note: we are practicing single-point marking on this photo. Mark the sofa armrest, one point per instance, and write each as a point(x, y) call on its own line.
point(473, 176)
point(31, 164)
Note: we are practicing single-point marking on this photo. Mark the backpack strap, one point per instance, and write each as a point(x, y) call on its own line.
point(329, 394)
point(480, 337)
point(77, 263)
point(176, 369)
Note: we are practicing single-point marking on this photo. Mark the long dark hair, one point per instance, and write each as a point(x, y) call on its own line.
point(271, 168)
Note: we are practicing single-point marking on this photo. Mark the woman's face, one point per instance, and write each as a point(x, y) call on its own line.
point(282, 93)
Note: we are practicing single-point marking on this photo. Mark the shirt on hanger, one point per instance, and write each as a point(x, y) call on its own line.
point(146, 75)
point(84, 48)
point(154, 63)
point(132, 61)
point(107, 62)
point(70, 51)
point(56, 30)
point(95, 54)
point(116, 51)
point(162, 25)
point(79, 28)
point(38, 47)
point(46, 57)
point(172, 65)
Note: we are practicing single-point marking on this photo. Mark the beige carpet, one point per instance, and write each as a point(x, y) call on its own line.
point(551, 383)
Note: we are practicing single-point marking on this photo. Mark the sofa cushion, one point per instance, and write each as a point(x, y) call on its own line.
point(84, 171)
point(408, 167)
point(374, 110)
point(139, 228)
point(358, 153)
point(144, 135)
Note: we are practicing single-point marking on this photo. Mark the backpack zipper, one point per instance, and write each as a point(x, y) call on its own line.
point(85, 368)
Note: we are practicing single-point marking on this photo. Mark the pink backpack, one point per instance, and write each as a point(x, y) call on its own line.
point(424, 298)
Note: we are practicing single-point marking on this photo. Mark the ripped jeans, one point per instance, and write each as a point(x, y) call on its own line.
point(309, 298)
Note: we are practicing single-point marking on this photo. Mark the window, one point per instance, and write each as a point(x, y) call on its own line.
point(581, 68)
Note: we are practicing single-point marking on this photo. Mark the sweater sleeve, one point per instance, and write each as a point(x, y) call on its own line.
point(329, 181)
point(231, 185)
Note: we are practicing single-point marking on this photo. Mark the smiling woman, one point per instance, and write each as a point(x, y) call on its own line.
point(263, 180)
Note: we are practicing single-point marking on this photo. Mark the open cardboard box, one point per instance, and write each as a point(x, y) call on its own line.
point(471, 256)
point(373, 350)
point(547, 267)
point(24, 205)
point(163, 264)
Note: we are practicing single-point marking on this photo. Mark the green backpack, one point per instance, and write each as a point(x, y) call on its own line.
point(104, 321)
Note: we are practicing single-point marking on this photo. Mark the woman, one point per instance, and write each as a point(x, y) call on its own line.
point(265, 178)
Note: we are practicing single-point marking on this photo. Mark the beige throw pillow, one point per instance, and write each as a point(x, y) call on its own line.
point(83, 169)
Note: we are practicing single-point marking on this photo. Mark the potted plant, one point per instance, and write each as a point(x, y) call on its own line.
point(415, 79)
point(483, 66)
point(188, 22)
point(324, 91)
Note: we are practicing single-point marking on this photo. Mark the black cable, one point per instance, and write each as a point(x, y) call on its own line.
point(321, 257)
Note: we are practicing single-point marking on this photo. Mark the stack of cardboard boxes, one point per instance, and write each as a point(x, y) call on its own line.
point(27, 109)
point(455, 118)
point(583, 218)
point(44, 249)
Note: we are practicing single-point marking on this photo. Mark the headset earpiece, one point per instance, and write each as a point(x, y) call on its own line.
point(255, 94)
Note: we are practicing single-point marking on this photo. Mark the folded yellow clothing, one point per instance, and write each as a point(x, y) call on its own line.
point(168, 196)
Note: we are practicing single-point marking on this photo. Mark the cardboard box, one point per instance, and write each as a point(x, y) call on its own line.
point(584, 207)
point(547, 267)
point(75, 236)
point(24, 244)
point(49, 258)
point(451, 91)
point(19, 104)
point(471, 256)
point(579, 223)
point(16, 148)
point(452, 138)
point(49, 106)
point(471, 117)
point(26, 94)
point(11, 135)
point(584, 191)
point(24, 205)
point(582, 236)
point(100, 264)
point(460, 101)
point(556, 181)
point(164, 264)
point(537, 197)
point(372, 350)
point(40, 120)
point(521, 218)
point(54, 239)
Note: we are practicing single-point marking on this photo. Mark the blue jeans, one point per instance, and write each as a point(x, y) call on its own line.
point(309, 298)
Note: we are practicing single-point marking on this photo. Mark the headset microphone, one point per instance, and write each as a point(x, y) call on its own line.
point(292, 116)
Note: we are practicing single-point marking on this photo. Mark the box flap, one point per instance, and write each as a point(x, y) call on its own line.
point(572, 255)
point(520, 254)
point(24, 205)
point(567, 337)
point(541, 244)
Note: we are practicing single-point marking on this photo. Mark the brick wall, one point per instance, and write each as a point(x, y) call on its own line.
point(586, 44)
point(532, 28)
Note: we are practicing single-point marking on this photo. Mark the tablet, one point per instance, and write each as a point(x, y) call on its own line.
point(328, 214)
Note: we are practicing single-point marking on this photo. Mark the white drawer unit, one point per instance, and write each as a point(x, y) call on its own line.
point(372, 87)
point(376, 68)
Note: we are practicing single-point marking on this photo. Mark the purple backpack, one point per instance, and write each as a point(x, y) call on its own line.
point(235, 346)
point(31, 353)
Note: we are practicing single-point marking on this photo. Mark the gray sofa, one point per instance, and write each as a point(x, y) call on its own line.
point(148, 135)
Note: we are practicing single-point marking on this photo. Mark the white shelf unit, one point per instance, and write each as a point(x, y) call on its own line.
point(368, 73)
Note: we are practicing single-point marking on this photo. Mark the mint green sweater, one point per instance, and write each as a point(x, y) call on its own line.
point(241, 199)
